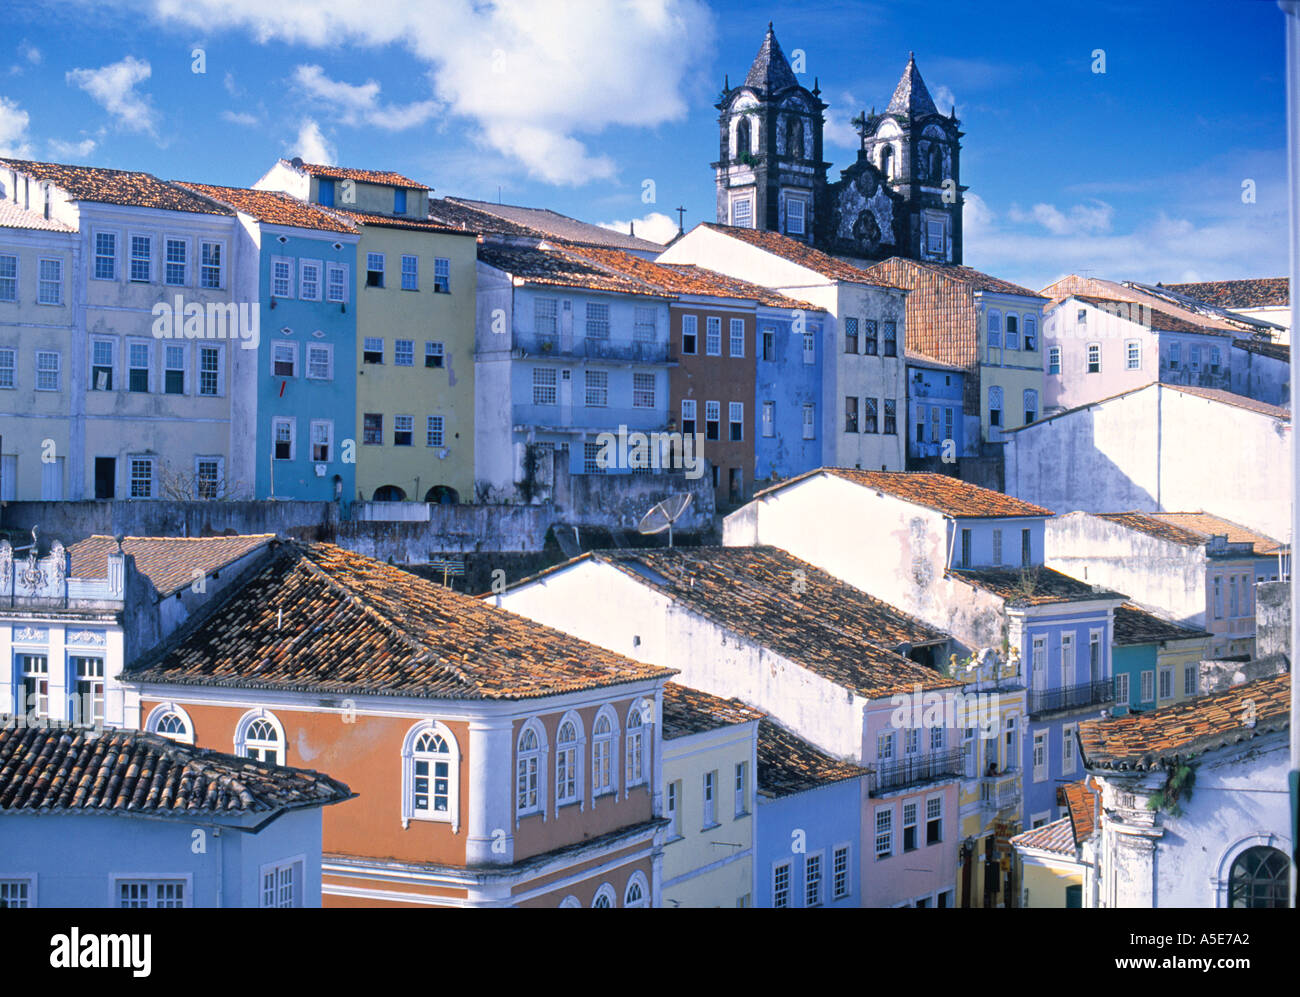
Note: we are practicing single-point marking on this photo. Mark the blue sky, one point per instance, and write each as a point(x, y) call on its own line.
point(1133, 173)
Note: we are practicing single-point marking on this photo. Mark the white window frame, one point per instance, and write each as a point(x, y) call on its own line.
point(691, 327)
point(540, 381)
point(595, 388)
point(643, 395)
point(810, 422)
point(605, 893)
point(1133, 354)
point(791, 215)
point(637, 882)
point(117, 880)
point(220, 354)
point(296, 868)
point(1039, 751)
point(1122, 691)
point(735, 417)
point(286, 281)
point(152, 461)
point(709, 800)
point(160, 713)
point(1054, 360)
point(42, 281)
point(604, 747)
point(713, 335)
point(1067, 749)
point(95, 257)
point(930, 818)
point(842, 881)
point(147, 346)
point(220, 461)
point(736, 337)
point(341, 271)
point(883, 829)
point(243, 742)
point(598, 321)
point(636, 744)
point(769, 420)
point(809, 348)
point(310, 289)
point(1148, 688)
point(571, 754)
point(814, 878)
point(325, 349)
point(282, 349)
point(442, 275)
point(689, 406)
point(292, 423)
point(411, 271)
point(371, 260)
point(452, 814)
point(221, 265)
point(404, 420)
point(780, 895)
point(27, 883)
point(328, 424)
point(746, 200)
point(189, 257)
point(15, 277)
point(741, 787)
point(132, 259)
point(435, 430)
point(184, 368)
point(1165, 681)
point(530, 770)
point(398, 353)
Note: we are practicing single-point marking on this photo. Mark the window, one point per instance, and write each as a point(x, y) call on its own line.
point(1259, 878)
point(769, 419)
point(736, 338)
point(769, 344)
point(323, 440)
point(712, 419)
point(151, 893)
point(840, 873)
point(1189, 680)
point(869, 340)
point(105, 256)
point(1166, 683)
point(781, 884)
point(15, 893)
point(1094, 656)
point(809, 348)
point(1040, 755)
point(101, 366)
point(8, 278)
point(597, 321)
point(441, 275)
point(404, 352)
point(997, 546)
point(1026, 549)
point(49, 290)
point(309, 280)
point(284, 359)
point(209, 370)
point(592, 460)
point(282, 884)
point(528, 766)
point(399, 202)
point(336, 283)
point(603, 737)
point(1148, 686)
point(634, 750)
point(794, 215)
point(1121, 689)
point(176, 272)
point(742, 789)
point(410, 273)
point(713, 336)
point(736, 421)
point(260, 736)
point(1012, 340)
point(1031, 404)
point(137, 363)
point(850, 335)
point(810, 422)
point(884, 833)
point(710, 792)
point(885, 745)
point(947, 423)
point(688, 416)
point(909, 827)
point(544, 312)
point(372, 350)
point(374, 269)
point(936, 738)
point(994, 330)
point(674, 810)
point(430, 769)
point(869, 415)
point(35, 671)
point(325, 191)
point(604, 896)
point(1067, 749)
point(1132, 354)
point(934, 819)
point(210, 266)
point(812, 881)
point(173, 370)
point(433, 431)
point(282, 438)
point(320, 362)
point(1053, 360)
point(637, 888)
point(891, 417)
point(372, 428)
point(207, 477)
point(1031, 333)
point(965, 548)
point(643, 391)
point(1215, 359)
point(1068, 675)
point(891, 339)
point(644, 325)
point(911, 741)
point(1218, 598)
point(567, 776)
point(403, 430)
point(1174, 355)
point(142, 259)
point(141, 477)
point(434, 354)
point(742, 212)
point(1194, 357)
point(690, 331)
point(597, 382)
point(851, 414)
point(281, 277)
point(995, 405)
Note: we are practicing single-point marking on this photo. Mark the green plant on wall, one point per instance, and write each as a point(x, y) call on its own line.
point(1179, 779)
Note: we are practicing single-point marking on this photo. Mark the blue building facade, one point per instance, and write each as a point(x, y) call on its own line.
point(789, 377)
point(934, 405)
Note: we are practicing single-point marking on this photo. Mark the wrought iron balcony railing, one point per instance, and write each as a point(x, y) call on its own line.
point(917, 769)
point(1071, 697)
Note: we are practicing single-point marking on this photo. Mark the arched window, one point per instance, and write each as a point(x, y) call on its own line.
point(1259, 878)
point(604, 737)
point(1031, 405)
point(570, 901)
point(887, 161)
point(431, 775)
point(995, 406)
point(172, 722)
point(742, 139)
point(794, 137)
point(936, 160)
point(637, 893)
point(605, 896)
point(635, 746)
point(389, 493)
point(259, 735)
point(530, 796)
point(568, 759)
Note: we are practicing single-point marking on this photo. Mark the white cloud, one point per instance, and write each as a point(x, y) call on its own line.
point(13, 130)
point(656, 226)
point(63, 151)
point(239, 118)
point(312, 146)
point(1081, 218)
point(30, 52)
point(232, 88)
point(534, 78)
point(944, 99)
point(359, 105)
point(113, 86)
point(838, 130)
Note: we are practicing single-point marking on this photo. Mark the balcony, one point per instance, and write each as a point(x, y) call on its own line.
point(1000, 792)
point(936, 765)
point(1070, 697)
point(574, 418)
point(622, 350)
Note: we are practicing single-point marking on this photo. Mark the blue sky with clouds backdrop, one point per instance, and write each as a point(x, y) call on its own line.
point(1136, 173)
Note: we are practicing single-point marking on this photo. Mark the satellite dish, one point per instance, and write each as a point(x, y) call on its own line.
point(662, 516)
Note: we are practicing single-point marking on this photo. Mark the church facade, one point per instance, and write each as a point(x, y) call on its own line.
point(902, 197)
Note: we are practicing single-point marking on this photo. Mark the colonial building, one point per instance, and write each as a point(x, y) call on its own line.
point(118, 818)
point(1267, 300)
point(1155, 662)
point(901, 197)
point(1057, 861)
point(936, 435)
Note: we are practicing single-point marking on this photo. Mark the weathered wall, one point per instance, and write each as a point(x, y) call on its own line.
point(73, 521)
point(1272, 618)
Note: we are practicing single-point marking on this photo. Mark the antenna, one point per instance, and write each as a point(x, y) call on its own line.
point(662, 516)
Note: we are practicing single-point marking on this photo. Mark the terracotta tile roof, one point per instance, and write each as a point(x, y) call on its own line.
point(1275, 351)
point(13, 216)
point(53, 770)
point(1082, 800)
point(1208, 525)
point(397, 221)
point(1146, 523)
point(1156, 298)
point(273, 207)
point(1144, 741)
point(552, 224)
point(318, 618)
point(829, 627)
point(168, 562)
point(948, 495)
point(788, 764)
point(1154, 318)
point(1058, 837)
point(1134, 625)
point(797, 252)
point(942, 321)
point(685, 278)
point(462, 216)
point(976, 279)
point(1262, 293)
point(689, 711)
point(141, 190)
point(366, 176)
point(563, 269)
point(1229, 398)
point(919, 359)
point(1037, 586)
